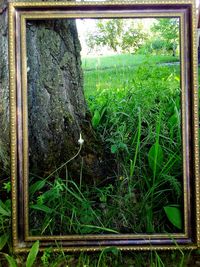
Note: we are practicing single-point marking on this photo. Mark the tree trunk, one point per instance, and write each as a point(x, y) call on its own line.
point(4, 94)
point(57, 109)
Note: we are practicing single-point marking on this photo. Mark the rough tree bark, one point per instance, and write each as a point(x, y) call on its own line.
point(4, 93)
point(57, 109)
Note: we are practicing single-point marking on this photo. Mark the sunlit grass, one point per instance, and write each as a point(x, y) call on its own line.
point(102, 62)
point(121, 76)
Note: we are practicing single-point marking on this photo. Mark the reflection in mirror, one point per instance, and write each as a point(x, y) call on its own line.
point(105, 148)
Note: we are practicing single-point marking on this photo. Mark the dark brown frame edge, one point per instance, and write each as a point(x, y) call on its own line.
point(153, 242)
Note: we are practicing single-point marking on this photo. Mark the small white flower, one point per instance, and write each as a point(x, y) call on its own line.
point(80, 141)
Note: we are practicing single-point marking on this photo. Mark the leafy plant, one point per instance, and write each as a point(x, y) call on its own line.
point(135, 112)
point(30, 258)
point(174, 215)
point(5, 223)
point(32, 254)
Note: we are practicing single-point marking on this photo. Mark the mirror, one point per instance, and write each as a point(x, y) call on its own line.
point(121, 98)
point(104, 126)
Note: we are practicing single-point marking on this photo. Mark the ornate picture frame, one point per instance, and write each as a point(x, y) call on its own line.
point(19, 14)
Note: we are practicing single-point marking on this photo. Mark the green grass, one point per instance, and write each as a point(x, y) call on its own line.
point(123, 60)
point(139, 122)
point(116, 72)
point(136, 113)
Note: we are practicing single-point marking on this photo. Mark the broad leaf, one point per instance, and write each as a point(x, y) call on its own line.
point(36, 187)
point(155, 158)
point(96, 119)
point(12, 262)
point(3, 210)
point(3, 240)
point(41, 208)
point(174, 216)
point(173, 121)
point(32, 254)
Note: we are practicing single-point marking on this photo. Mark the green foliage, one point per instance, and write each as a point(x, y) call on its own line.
point(139, 122)
point(130, 36)
point(96, 119)
point(141, 128)
point(108, 33)
point(5, 208)
point(135, 112)
point(155, 157)
point(36, 186)
point(64, 202)
point(103, 64)
point(174, 215)
point(167, 31)
point(32, 254)
point(7, 186)
point(3, 240)
point(113, 250)
point(5, 223)
point(11, 261)
point(118, 34)
point(46, 257)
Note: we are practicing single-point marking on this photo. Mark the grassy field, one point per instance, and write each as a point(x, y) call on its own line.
point(104, 73)
point(135, 104)
point(102, 62)
point(136, 114)
point(135, 110)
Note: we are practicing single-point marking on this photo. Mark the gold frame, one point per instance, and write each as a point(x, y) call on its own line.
point(19, 13)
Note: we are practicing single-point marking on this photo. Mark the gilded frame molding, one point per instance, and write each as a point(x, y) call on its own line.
point(19, 13)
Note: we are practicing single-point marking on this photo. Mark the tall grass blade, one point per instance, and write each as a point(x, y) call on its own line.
point(96, 119)
point(41, 208)
point(112, 250)
point(137, 145)
point(159, 262)
point(32, 254)
point(155, 158)
point(36, 187)
point(11, 261)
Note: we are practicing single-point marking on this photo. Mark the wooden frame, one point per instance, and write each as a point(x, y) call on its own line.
point(19, 13)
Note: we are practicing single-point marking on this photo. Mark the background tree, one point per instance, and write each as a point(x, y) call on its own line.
point(167, 31)
point(107, 33)
point(119, 35)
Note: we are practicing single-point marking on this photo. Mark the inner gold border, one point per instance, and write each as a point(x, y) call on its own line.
point(41, 15)
point(103, 3)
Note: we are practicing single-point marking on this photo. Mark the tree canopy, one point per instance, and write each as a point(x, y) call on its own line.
point(130, 35)
point(167, 32)
point(118, 35)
